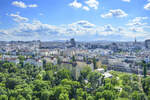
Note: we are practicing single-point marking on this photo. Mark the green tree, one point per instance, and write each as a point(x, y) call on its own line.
point(40, 85)
point(146, 84)
point(62, 74)
point(44, 63)
point(81, 94)
point(73, 58)
point(108, 95)
point(12, 98)
point(3, 97)
point(123, 94)
point(20, 97)
point(114, 81)
point(144, 69)
point(105, 67)
point(127, 88)
point(94, 78)
point(45, 95)
point(99, 95)
point(84, 73)
point(94, 62)
point(90, 98)
point(73, 86)
point(28, 97)
point(50, 77)
point(126, 79)
point(21, 59)
point(61, 92)
point(84, 59)
point(12, 82)
point(63, 96)
point(9, 66)
point(135, 95)
point(58, 61)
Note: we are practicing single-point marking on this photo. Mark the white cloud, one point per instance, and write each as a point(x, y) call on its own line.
point(84, 24)
point(137, 29)
point(126, 0)
point(3, 32)
point(41, 14)
point(108, 28)
point(19, 4)
point(38, 30)
point(18, 18)
point(33, 5)
point(23, 5)
point(34, 30)
point(75, 4)
point(92, 3)
point(115, 13)
point(89, 4)
point(147, 6)
point(37, 26)
point(86, 8)
point(79, 28)
point(120, 29)
point(138, 21)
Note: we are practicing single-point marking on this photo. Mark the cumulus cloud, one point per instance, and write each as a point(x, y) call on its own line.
point(147, 6)
point(92, 4)
point(114, 13)
point(79, 28)
point(34, 30)
point(120, 29)
point(136, 29)
point(108, 28)
point(37, 30)
point(138, 21)
point(33, 5)
point(75, 4)
point(126, 0)
point(21, 4)
point(86, 8)
point(88, 4)
point(18, 18)
point(3, 32)
point(84, 24)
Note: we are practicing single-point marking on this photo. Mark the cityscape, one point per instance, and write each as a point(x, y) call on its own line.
point(118, 56)
point(74, 50)
point(100, 57)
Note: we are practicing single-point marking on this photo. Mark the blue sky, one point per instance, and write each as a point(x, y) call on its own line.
point(84, 20)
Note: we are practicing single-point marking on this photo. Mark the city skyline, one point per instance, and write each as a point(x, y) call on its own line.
point(84, 20)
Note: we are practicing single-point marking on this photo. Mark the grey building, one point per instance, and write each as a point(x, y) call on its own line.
point(147, 44)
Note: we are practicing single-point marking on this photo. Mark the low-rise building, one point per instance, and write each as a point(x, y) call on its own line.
point(34, 62)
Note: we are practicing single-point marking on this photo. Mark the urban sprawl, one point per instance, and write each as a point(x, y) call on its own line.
point(73, 55)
